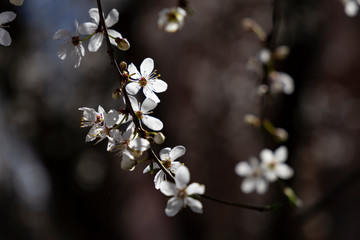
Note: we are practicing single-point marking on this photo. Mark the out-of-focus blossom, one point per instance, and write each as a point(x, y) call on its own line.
point(171, 19)
point(72, 46)
point(17, 2)
point(281, 82)
point(5, 17)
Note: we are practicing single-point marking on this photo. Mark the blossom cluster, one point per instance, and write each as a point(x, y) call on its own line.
point(72, 45)
point(130, 136)
point(258, 175)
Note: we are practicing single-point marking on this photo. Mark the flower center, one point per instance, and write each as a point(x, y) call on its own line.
point(75, 40)
point(142, 81)
point(139, 114)
point(167, 163)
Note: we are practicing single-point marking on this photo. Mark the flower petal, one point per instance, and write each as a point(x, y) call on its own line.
point(114, 34)
point(139, 144)
point(159, 178)
point(243, 169)
point(133, 88)
point(261, 185)
point(248, 185)
point(128, 162)
point(5, 38)
point(283, 171)
point(95, 42)
point(266, 155)
point(173, 206)
point(164, 153)
point(152, 123)
point(182, 177)
point(134, 103)
point(147, 67)
point(177, 152)
point(281, 154)
point(148, 105)
point(168, 188)
point(87, 28)
point(7, 16)
point(62, 34)
point(195, 205)
point(158, 85)
point(133, 72)
point(112, 18)
point(195, 188)
point(148, 92)
point(94, 14)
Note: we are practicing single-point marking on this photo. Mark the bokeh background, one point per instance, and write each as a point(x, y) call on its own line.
point(55, 186)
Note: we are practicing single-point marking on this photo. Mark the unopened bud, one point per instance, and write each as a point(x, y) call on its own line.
point(293, 199)
point(116, 94)
point(159, 138)
point(281, 134)
point(123, 66)
point(281, 52)
point(252, 120)
point(252, 26)
point(122, 43)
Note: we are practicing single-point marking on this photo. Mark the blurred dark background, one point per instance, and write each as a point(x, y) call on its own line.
point(54, 186)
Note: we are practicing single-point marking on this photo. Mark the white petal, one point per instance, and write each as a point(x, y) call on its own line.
point(7, 16)
point(248, 185)
point(139, 144)
point(87, 28)
point(95, 42)
point(5, 38)
point(152, 123)
point(148, 92)
point(111, 118)
point(168, 188)
point(94, 14)
point(270, 175)
point(158, 85)
point(283, 171)
point(177, 152)
point(112, 18)
point(146, 67)
point(148, 105)
point(164, 153)
point(128, 162)
point(159, 178)
point(261, 185)
point(62, 34)
point(195, 188)
point(17, 2)
point(243, 169)
point(281, 154)
point(266, 155)
point(173, 206)
point(195, 205)
point(182, 177)
point(133, 72)
point(133, 88)
point(134, 103)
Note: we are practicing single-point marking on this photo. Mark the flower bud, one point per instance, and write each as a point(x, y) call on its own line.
point(159, 138)
point(262, 89)
point(252, 120)
point(281, 52)
point(252, 26)
point(122, 43)
point(17, 2)
point(281, 134)
point(117, 93)
point(293, 199)
point(128, 163)
point(123, 66)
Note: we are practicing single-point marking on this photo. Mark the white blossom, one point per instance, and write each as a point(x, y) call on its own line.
point(254, 179)
point(94, 29)
point(180, 193)
point(273, 164)
point(5, 17)
point(351, 7)
point(100, 122)
point(167, 157)
point(146, 79)
point(143, 110)
point(71, 46)
point(171, 19)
